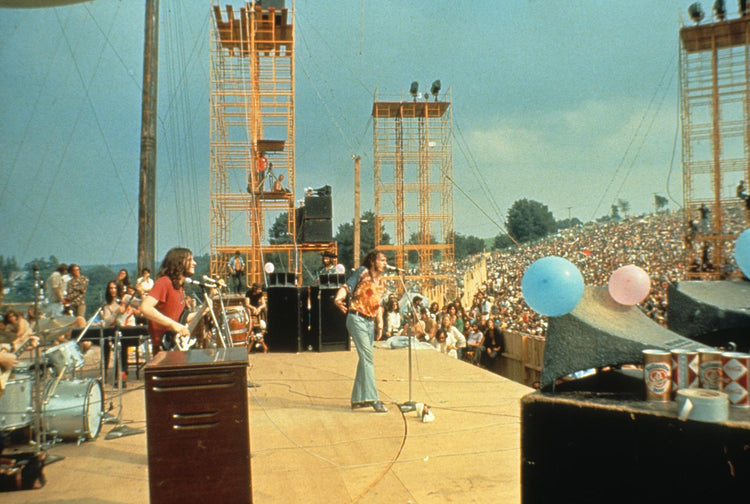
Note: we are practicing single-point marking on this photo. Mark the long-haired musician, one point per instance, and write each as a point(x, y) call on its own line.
point(165, 303)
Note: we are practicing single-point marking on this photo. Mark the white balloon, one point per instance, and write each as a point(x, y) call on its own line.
point(340, 269)
point(268, 267)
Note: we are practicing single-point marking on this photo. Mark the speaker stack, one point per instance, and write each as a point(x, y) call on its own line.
point(284, 322)
point(306, 318)
point(315, 220)
point(328, 325)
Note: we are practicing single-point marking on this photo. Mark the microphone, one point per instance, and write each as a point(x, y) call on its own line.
point(393, 268)
point(208, 285)
point(216, 281)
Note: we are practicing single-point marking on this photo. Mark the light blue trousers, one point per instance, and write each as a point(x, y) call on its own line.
point(362, 332)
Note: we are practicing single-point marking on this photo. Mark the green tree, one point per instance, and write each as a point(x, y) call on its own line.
point(345, 238)
point(8, 266)
point(624, 206)
point(501, 242)
point(529, 220)
point(465, 246)
point(568, 223)
point(23, 290)
point(412, 255)
point(660, 203)
point(278, 233)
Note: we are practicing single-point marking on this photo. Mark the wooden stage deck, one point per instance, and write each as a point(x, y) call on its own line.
point(308, 446)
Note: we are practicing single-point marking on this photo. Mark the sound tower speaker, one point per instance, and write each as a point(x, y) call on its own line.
point(327, 323)
point(316, 230)
point(284, 319)
point(318, 207)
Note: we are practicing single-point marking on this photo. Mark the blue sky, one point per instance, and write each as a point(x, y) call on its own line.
point(573, 104)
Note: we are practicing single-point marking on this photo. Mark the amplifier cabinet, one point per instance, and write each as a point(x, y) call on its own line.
point(586, 447)
point(197, 427)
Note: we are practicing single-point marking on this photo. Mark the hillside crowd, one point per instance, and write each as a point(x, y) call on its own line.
point(655, 243)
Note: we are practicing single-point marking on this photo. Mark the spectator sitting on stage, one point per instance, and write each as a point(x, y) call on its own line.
point(255, 302)
point(392, 320)
point(144, 283)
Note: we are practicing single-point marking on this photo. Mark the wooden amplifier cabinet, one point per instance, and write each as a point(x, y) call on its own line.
point(197, 427)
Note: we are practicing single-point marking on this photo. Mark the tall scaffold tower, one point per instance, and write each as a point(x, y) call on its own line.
point(715, 116)
point(252, 134)
point(413, 173)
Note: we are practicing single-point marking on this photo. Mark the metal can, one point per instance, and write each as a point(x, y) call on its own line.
point(710, 368)
point(685, 370)
point(657, 374)
point(735, 378)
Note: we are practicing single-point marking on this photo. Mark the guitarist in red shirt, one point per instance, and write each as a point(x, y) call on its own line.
point(164, 305)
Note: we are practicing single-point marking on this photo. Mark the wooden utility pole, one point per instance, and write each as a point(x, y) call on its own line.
point(147, 185)
point(356, 211)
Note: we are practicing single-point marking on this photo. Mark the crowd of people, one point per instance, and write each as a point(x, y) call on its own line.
point(655, 243)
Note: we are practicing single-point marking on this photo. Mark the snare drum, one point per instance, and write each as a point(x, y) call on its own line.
point(239, 325)
point(66, 354)
point(15, 404)
point(74, 410)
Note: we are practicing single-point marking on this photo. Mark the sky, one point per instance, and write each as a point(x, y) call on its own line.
point(573, 104)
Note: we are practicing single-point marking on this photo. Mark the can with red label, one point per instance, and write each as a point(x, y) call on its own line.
point(710, 368)
point(685, 370)
point(657, 374)
point(735, 378)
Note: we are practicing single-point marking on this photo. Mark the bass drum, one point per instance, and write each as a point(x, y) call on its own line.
point(74, 410)
point(15, 404)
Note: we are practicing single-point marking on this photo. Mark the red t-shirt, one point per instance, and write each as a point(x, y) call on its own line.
point(170, 302)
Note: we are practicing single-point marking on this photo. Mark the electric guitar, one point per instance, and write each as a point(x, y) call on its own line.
point(5, 375)
point(183, 343)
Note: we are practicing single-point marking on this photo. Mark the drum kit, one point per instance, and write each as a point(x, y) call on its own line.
point(44, 395)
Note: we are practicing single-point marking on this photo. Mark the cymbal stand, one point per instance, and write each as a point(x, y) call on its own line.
point(121, 430)
point(209, 303)
point(224, 318)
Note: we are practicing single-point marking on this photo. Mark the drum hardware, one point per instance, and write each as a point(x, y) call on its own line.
point(227, 329)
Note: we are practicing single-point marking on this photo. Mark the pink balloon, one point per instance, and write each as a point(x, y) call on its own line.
point(629, 285)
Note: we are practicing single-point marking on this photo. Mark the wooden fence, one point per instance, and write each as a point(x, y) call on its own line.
point(522, 358)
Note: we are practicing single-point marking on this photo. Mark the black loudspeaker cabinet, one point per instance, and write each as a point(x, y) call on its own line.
point(584, 448)
point(285, 319)
point(282, 279)
point(316, 230)
point(327, 323)
point(318, 207)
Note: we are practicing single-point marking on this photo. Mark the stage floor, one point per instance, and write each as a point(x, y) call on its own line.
point(308, 446)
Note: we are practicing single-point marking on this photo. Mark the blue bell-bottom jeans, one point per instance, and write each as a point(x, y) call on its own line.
point(362, 332)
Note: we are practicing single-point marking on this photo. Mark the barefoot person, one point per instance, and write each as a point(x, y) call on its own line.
point(364, 319)
point(164, 305)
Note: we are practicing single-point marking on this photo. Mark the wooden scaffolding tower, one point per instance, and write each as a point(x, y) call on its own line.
point(413, 173)
point(252, 127)
point(715, 114)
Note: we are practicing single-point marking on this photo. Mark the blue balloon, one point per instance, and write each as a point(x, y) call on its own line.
point(552, 286)
point(742, 252)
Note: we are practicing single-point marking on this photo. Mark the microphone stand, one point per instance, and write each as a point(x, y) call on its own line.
point(121, 430)
point(408, 405)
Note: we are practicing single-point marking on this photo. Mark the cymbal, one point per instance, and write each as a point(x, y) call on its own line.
point(50, 328)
